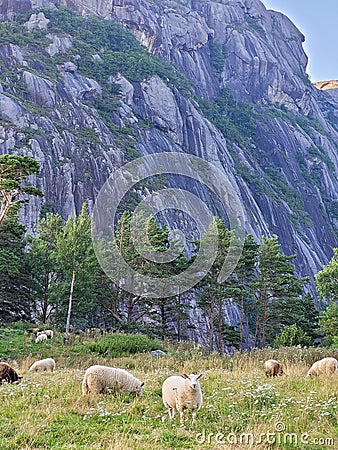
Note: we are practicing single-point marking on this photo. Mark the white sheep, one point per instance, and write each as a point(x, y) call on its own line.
point(43, 365)
point(273, 368)
point(42, 337)
point(327, 366)
point(100, 379)
point(48, 333)
point(180, 393)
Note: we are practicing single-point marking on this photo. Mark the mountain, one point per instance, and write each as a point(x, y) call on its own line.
point(222, 80)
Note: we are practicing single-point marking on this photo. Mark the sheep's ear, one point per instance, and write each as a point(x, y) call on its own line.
point(185, 375)
point(200, 376)
point(142, 384)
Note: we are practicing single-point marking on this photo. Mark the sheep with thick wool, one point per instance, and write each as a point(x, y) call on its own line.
point(327, 366)
point(47, 364)
point(48, 333)
point(182, 392)
point(273, 368)
point(7, 373)
point(100, 379)
point(41, 338)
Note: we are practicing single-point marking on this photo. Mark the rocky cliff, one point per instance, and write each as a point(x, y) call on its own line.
point(279, 148)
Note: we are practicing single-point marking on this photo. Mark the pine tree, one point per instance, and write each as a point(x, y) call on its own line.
point(211, 293)
point(14, 170)
point(276, 285)
point(245, 272)
point(15, 280)
point(16, 300)
point(327, 279)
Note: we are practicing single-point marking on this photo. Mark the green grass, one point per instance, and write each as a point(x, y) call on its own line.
point(48, 410)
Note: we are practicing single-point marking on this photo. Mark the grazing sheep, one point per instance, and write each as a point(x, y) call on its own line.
point(100, 379)
point(327, 366)
point(42, 337)
point(180, 393)
point(273, 368)
point(7, 373)
point(48, 333)
point(43, 365)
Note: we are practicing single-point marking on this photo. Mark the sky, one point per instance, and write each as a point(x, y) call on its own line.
point(318, 21)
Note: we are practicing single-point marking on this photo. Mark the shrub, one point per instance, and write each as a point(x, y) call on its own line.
point(292, 336)
point(119, 344)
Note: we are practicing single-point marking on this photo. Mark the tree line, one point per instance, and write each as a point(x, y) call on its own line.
point(54, 276)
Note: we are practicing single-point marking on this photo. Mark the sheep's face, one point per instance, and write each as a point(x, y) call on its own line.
point(138, 392)
point(193, 379)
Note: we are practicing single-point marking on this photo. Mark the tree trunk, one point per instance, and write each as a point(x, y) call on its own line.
point(70, 302)
point(265, 315)
point(258, 319)
point(179, 316)
point(241, 317)
point(220, 323)
point(211, 321)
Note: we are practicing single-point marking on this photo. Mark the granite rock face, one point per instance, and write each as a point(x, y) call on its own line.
point(259, 57)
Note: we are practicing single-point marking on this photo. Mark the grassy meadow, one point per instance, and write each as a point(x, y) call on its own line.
point(242, 409)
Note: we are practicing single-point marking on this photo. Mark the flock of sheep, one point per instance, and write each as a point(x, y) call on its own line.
point(179, 393)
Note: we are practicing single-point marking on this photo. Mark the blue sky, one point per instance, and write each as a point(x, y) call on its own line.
point(318, 21)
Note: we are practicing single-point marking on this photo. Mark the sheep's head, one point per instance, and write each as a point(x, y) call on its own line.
point(193, 379)
point(138, 391)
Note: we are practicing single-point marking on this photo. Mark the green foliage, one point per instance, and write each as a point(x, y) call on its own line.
point(233, 118)
point(217, 56)
point(329, 323)
point(14, 170)
point(283, 191)
point(117, 345)
point(43, 261)
point(16, 302)
point(327, 278)
point(77, 262)
point(292, 336)
point(276, 286)
point(118, 49)
point(13, 33)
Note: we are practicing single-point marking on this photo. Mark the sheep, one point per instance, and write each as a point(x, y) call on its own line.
point(273, 368)
point(48, 333)
point(7, 373)
point(43, 365)
point(42, 337)
point(158, 353)
point(100, 379)
point(325, 366)
point(180, 393)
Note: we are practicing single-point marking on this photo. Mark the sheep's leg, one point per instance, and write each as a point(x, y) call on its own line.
point(193, 416)
point(171, 412)
point(181, 411)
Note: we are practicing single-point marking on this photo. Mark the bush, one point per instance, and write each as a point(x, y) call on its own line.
point(292, 336)
point(116, 345)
